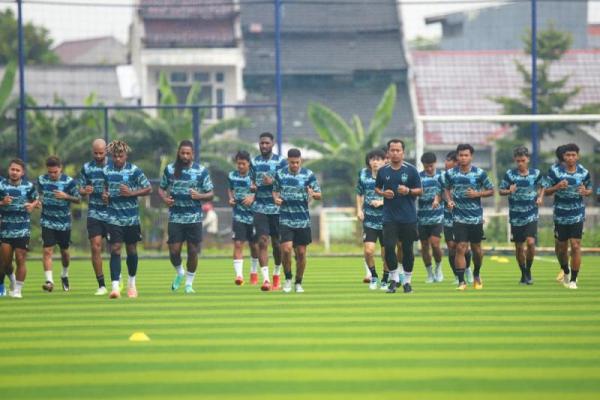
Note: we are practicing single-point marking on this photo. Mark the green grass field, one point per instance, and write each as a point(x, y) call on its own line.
point(336, 341)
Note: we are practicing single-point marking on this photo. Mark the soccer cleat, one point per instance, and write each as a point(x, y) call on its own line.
point(239, 281)
point(477, 284)
point(287, 286)
point(430, 279)
point(299, 288)
point(373, 284)
point(132, 293)
point(462, 286)
point(572, 285)
point(48, 286)
point(407, 288)
point(560, 276)
point(392, 287)
point(438, 274)
point(254, 278)
point(115, 294)
point(469, 276)
point(566, 280)
point(65, 283)
point(523, 280)
point(384, 286)
point(189, 289)
point(15, 294)
point(367, 279)
point(101, 291)
point(176, 284)
point(276, 282)
point(266, 286)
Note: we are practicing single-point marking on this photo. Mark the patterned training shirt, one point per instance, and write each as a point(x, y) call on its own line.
point(123, 211)
point(293, 190)
point(366, 187)
point(240, 186)
point(91, 175)
point(56, 213)
point(261, 166)
point(467, 210)
point(16, 221)
point(432, 187)
point(522, 207)
point(569, 205)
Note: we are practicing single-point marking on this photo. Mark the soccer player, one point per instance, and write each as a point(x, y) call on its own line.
point(57, 192)
point(294, 187)
point(525, 191)
point(123, 184)
point(561, 275)
point(266, 212)
point(570, 183)
point(369, 210)
point(430, 217)
point(465, 186)
point(183, 185)
point(241, 199)
point(91, 184)
point(399, 183)
point(18, 198)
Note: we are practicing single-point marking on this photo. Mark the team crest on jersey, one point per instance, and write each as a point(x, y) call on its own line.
point(404, 177)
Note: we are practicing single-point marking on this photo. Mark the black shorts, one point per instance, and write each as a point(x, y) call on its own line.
point(128, 234)
point(95, 227)
point(519, 234)
point(470, 233)
point(266, 224)
point(371, 235)
point(298, 236)
point(179, 233)
point(394, 232)
point(243, 232)
point(562, 233)
point(427, 231)
point(449, 233)
point(17, 243)
point(52, 237)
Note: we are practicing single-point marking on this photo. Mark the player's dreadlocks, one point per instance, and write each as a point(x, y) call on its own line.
point(118, 146)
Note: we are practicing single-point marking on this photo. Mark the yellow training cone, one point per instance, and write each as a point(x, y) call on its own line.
point(139, 337)
point(494, 258)
point(503, 260)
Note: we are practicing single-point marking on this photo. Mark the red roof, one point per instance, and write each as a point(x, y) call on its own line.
point(593, 29)
point(463, 83)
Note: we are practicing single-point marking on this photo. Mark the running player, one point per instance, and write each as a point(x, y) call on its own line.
point(18, 198)
point(57, 192)
point(241, 199)
point(184, 184)
point(294, 187)
point(525, 191)
point(124, 183)
point(91, 184)
point(369, 210)
point(399, 183)
point(570, 183)
point(465, 186)
point(431, 217)
point(266, 212)
point(561, 261)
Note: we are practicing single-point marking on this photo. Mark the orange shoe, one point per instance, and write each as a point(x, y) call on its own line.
point(477, 284)
point(132, 293)
point(239, 281)
point(115, 294)
point(276, 283)
point(266, 286)
point(367, 279)
point(254, 278)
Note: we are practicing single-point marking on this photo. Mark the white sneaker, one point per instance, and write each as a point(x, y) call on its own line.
point(567, 280)
point(572, 285)
point(287, 286)
point(429, 279)
point(101, 291)
point(438, 274)
point(15, 295)
point(373, 284)
point(299, 288)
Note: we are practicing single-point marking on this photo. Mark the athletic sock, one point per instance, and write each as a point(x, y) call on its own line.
point(429, 271)
point(238, 266)
point(523, 271)
point(373, 272)
point(529, 264)
point(452, 265)
point(265, 273)
point(288, 275)
point(19, 286)
point(48, 275)
point(565, 268)
point(468, 257)
point(574, 275)
point(298, 281)
point(100, 280)
point(132, 264)
point(131, 281)
point(277, 270)
point(179, 270)
point(367, 269)
point(407, 277)
point(476, 271)
point(115, 268)
point(395, 276)
point(386, 276)
point(65, 272)
point(115, 286)
point(253, 265)
point(189, 278)
point(13, 279)
point(460, 274)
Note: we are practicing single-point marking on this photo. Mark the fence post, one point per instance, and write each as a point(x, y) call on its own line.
point(106, 126)
point(278, 89)
point(535, 140)
point(22, 121)
point(196, 132)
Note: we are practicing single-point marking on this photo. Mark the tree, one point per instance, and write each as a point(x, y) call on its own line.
point(8, 143)
point(38, 43)
point(343, 145)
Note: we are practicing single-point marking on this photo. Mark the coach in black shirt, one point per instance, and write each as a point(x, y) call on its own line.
point(399, 184)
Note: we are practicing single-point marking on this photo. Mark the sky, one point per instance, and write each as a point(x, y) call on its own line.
point(67, 22)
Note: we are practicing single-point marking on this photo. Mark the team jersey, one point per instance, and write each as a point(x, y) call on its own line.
point(56, 213)
point(400, 209)
point(123, 211)
point(261, 166)
point(569, 205)
point(16, 221)
point(467, 210)
point(293, 191)
point(522, 207)
point(432, 187)
point(448, 214)
point(186, 210)
point(240, 186)
point(366, 187)
point(91, 175)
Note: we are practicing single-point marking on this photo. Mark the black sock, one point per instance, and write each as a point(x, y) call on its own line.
point(565, 268)
point(386, 276)
point(2, 276)
point(100, 280)
point(132, 264)
point(574, 275)
point(298, 281)
point(115, 267)
point(288, 275)
point(523, 271)
point(373, 272)
point(468, 257)
point(529, 264)
point(460, 273)
point(476, 271)
point(452, 264)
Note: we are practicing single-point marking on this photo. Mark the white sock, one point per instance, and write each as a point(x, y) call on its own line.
point(277, 270)
point(48, 275)
point(429, 271)
point(407, 277)
point(13, 279)
point(65, 272)
point(238, 266)
point(179, 270)
point(253, 265)
point(400, 269)
point(189, 278)
point(394, 276)
point(265, 273)
point(367, 271)
point(438, 265)
point(19, 286)
point(131, 282)
point(115, 286)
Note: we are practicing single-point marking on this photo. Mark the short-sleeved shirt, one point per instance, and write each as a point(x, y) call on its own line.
point(263, 202)
point(91, 175)
point(240, 186)
point(432, 187)
point(292, 188)
point(467, 210)
point(56, 213)
point(448, 214)
point(16, 221)
point(123, 211)
point(366, 187)
point(186, 210)
point(569, 205)
point(401, 209)
point(522, 207)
